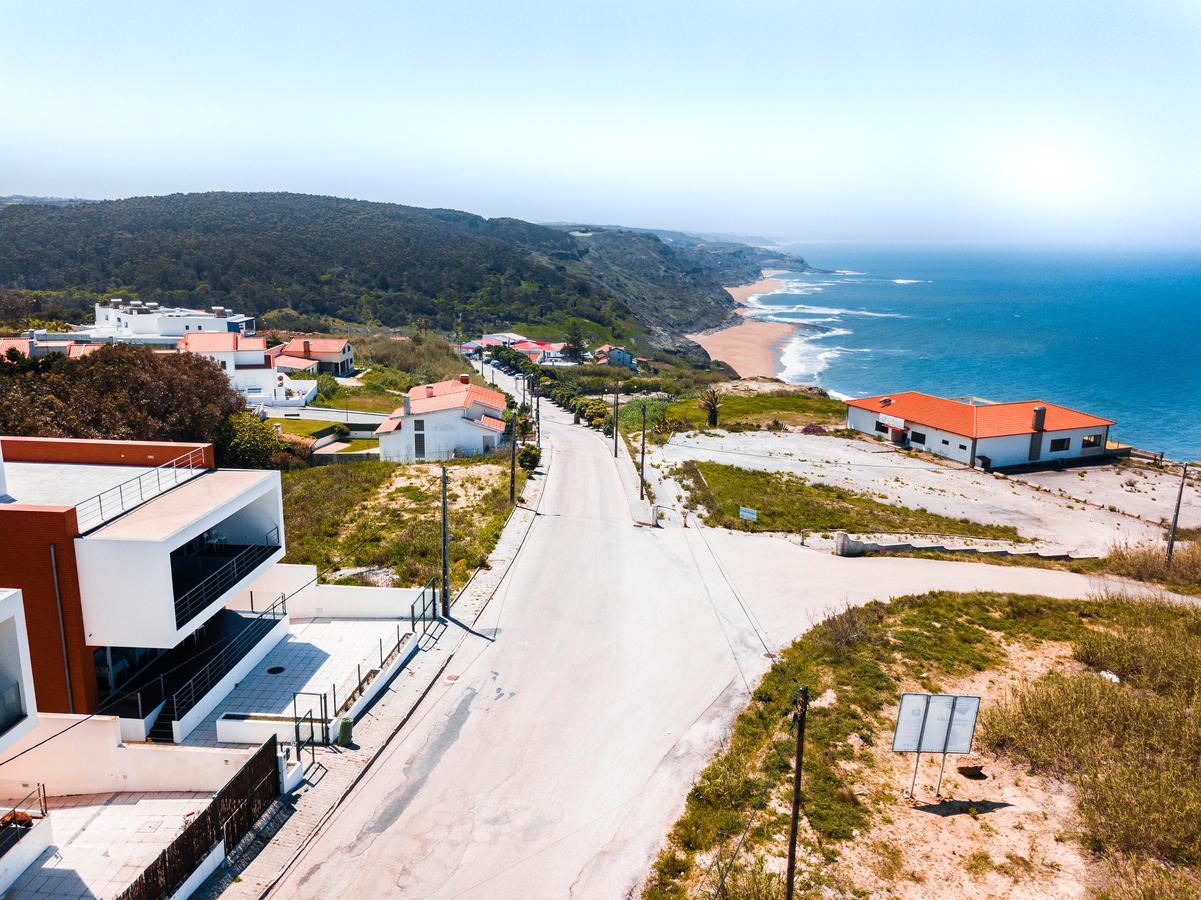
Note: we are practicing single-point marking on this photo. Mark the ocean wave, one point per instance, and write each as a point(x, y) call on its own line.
point(911, 281)
point(830, 311)
point(803, 360)
point(847, 272)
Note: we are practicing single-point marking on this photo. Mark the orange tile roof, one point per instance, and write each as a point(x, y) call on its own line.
point(21, 345)
point(283, 361)
point(391, 423)
point(75, 351)
point(976, 420)
point(316, 345)
point(220, 342)
point(493, 423)
point(454, 394)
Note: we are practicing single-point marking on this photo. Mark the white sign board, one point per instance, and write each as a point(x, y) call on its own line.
point(935, 723)
point(893, 421)
point(751, 515)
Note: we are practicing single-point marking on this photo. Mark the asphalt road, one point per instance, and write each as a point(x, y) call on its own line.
point(557, 750)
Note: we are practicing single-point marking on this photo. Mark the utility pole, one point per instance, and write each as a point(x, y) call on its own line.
point(798, 723)
point(538, 415)
point(445, 553)
point(642, 462)
point(616, 402)
point(1176, 514)
point(513, 459)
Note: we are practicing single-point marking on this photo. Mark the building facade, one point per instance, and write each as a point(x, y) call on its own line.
point(126, 554)
point(333, 356)
point(442, 421)
point(980, 433)
point(252, 367)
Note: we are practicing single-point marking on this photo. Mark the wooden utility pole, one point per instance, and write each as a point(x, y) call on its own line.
point(642, 461)
point(616, 402)
point(513, 459)
point(798, 722)
point(1176, 514)
point(445, 552)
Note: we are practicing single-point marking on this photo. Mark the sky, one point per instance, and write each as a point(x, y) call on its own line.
point(913, 121)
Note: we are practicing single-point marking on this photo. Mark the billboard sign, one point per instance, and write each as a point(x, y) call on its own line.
point(935, 723)
point(750, 515)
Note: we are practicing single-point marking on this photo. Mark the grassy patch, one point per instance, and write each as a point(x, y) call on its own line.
point(790, 503)
point(757, 410)
point(337, 516)
point(360, 444)
point(864, 654)
point(303, 427)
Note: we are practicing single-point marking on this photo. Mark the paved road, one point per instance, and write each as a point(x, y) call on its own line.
point(551, 760)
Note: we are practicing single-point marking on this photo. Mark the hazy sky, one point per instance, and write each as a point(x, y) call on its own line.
point(902, 120)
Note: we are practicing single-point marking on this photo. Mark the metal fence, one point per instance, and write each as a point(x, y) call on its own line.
point(366, 671)
point(17, 819)
point(109, 504)
point(424, 609)
point(228, 817)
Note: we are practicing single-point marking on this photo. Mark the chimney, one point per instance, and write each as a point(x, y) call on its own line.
point(404, 405)
point(464, 379)
point(307, 346)
point(429, 390)
point(1039, 421)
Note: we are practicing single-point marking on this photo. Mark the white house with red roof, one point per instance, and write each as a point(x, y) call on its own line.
point(334, 356)
point(250, 366)
point(981, 433)
point(442, 421)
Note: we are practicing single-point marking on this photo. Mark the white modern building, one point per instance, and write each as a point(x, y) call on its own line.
point(135, 322)
point(442, 421)
point(252, 367)
point(981, 433)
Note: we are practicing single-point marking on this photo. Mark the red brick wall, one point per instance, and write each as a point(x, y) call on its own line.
point(29, 532)
point(108, 453)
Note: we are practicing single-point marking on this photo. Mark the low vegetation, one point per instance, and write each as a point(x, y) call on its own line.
point(787, 502)
point(1138, 820)
point(386, 517)
point(739, 412)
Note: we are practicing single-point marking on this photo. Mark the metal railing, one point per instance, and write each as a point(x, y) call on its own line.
point(425, 607)
point(366, 671)
point(190, 692)
point(193, 601)
point(17, 819)
point(109, 504)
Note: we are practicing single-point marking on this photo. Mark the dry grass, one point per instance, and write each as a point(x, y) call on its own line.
point(1131, 748)
point(1148, 562)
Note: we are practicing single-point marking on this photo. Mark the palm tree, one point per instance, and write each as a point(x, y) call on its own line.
point(710, 402)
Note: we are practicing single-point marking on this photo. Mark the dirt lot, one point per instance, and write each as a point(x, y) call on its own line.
point(1051, 521)
point(1135, 488)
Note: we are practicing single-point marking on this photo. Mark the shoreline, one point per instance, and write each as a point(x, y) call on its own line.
point(752, 348)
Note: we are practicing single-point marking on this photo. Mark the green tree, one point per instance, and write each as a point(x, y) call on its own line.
point(710, 402)
point(246, 443)
point(574, 348)
point(529, 456)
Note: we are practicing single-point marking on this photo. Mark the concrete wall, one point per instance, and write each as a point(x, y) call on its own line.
point(307, 600)
point(91, 759)
point(1014, 450)
point(30, 847)
point(108, 453)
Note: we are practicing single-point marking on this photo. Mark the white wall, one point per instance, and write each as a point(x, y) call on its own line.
point(18, 858)
point(1014, 450)
point(957, 447)
point(15, 664)
point(307, 600)
point(91, 759)
point(446, 432)
point(127, 594)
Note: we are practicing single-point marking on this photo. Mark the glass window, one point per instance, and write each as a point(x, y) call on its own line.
point(419, 424)
point(1090, 441)
point(1058, 445)
point(882, 428)
point(917, 437)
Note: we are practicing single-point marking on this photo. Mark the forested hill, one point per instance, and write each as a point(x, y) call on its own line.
point(366, 262)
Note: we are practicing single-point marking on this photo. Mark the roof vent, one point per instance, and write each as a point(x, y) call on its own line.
point(429, 390)
point(464, 379)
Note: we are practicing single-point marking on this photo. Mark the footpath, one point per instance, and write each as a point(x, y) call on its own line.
point(295, 818)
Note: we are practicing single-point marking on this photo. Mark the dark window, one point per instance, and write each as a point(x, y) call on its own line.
point(419, 424)
point(419, 446)
point(1058, 445)
point(1090, 441)
point(917, 437)
point(882, 428)
point(963, 446)
point(946, 442)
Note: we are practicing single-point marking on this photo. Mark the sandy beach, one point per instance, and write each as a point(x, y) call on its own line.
point(750, 348)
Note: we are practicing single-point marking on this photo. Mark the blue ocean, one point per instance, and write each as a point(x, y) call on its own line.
point(1116, 334)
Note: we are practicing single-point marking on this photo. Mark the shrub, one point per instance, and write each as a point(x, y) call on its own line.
point(529, 456)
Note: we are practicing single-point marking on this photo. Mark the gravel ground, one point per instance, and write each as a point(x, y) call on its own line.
point(1051, 522)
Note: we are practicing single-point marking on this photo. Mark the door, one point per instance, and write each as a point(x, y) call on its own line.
point(419, 446)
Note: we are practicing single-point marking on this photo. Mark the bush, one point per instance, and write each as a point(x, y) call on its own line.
point(246, 443)
point(529, 457)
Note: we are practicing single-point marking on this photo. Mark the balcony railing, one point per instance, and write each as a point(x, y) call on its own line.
point(17, 819)
point(244, 561)
point(97, 510)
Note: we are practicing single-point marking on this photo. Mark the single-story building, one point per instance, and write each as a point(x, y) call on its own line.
point(442, 421)
point(980, 433)
point(334, 356)
point(609, 355)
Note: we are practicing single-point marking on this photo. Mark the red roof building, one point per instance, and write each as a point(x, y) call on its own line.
point(975, 431)
point(443, 420)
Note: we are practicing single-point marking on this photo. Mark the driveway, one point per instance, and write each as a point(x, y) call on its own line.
point(557, 750)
